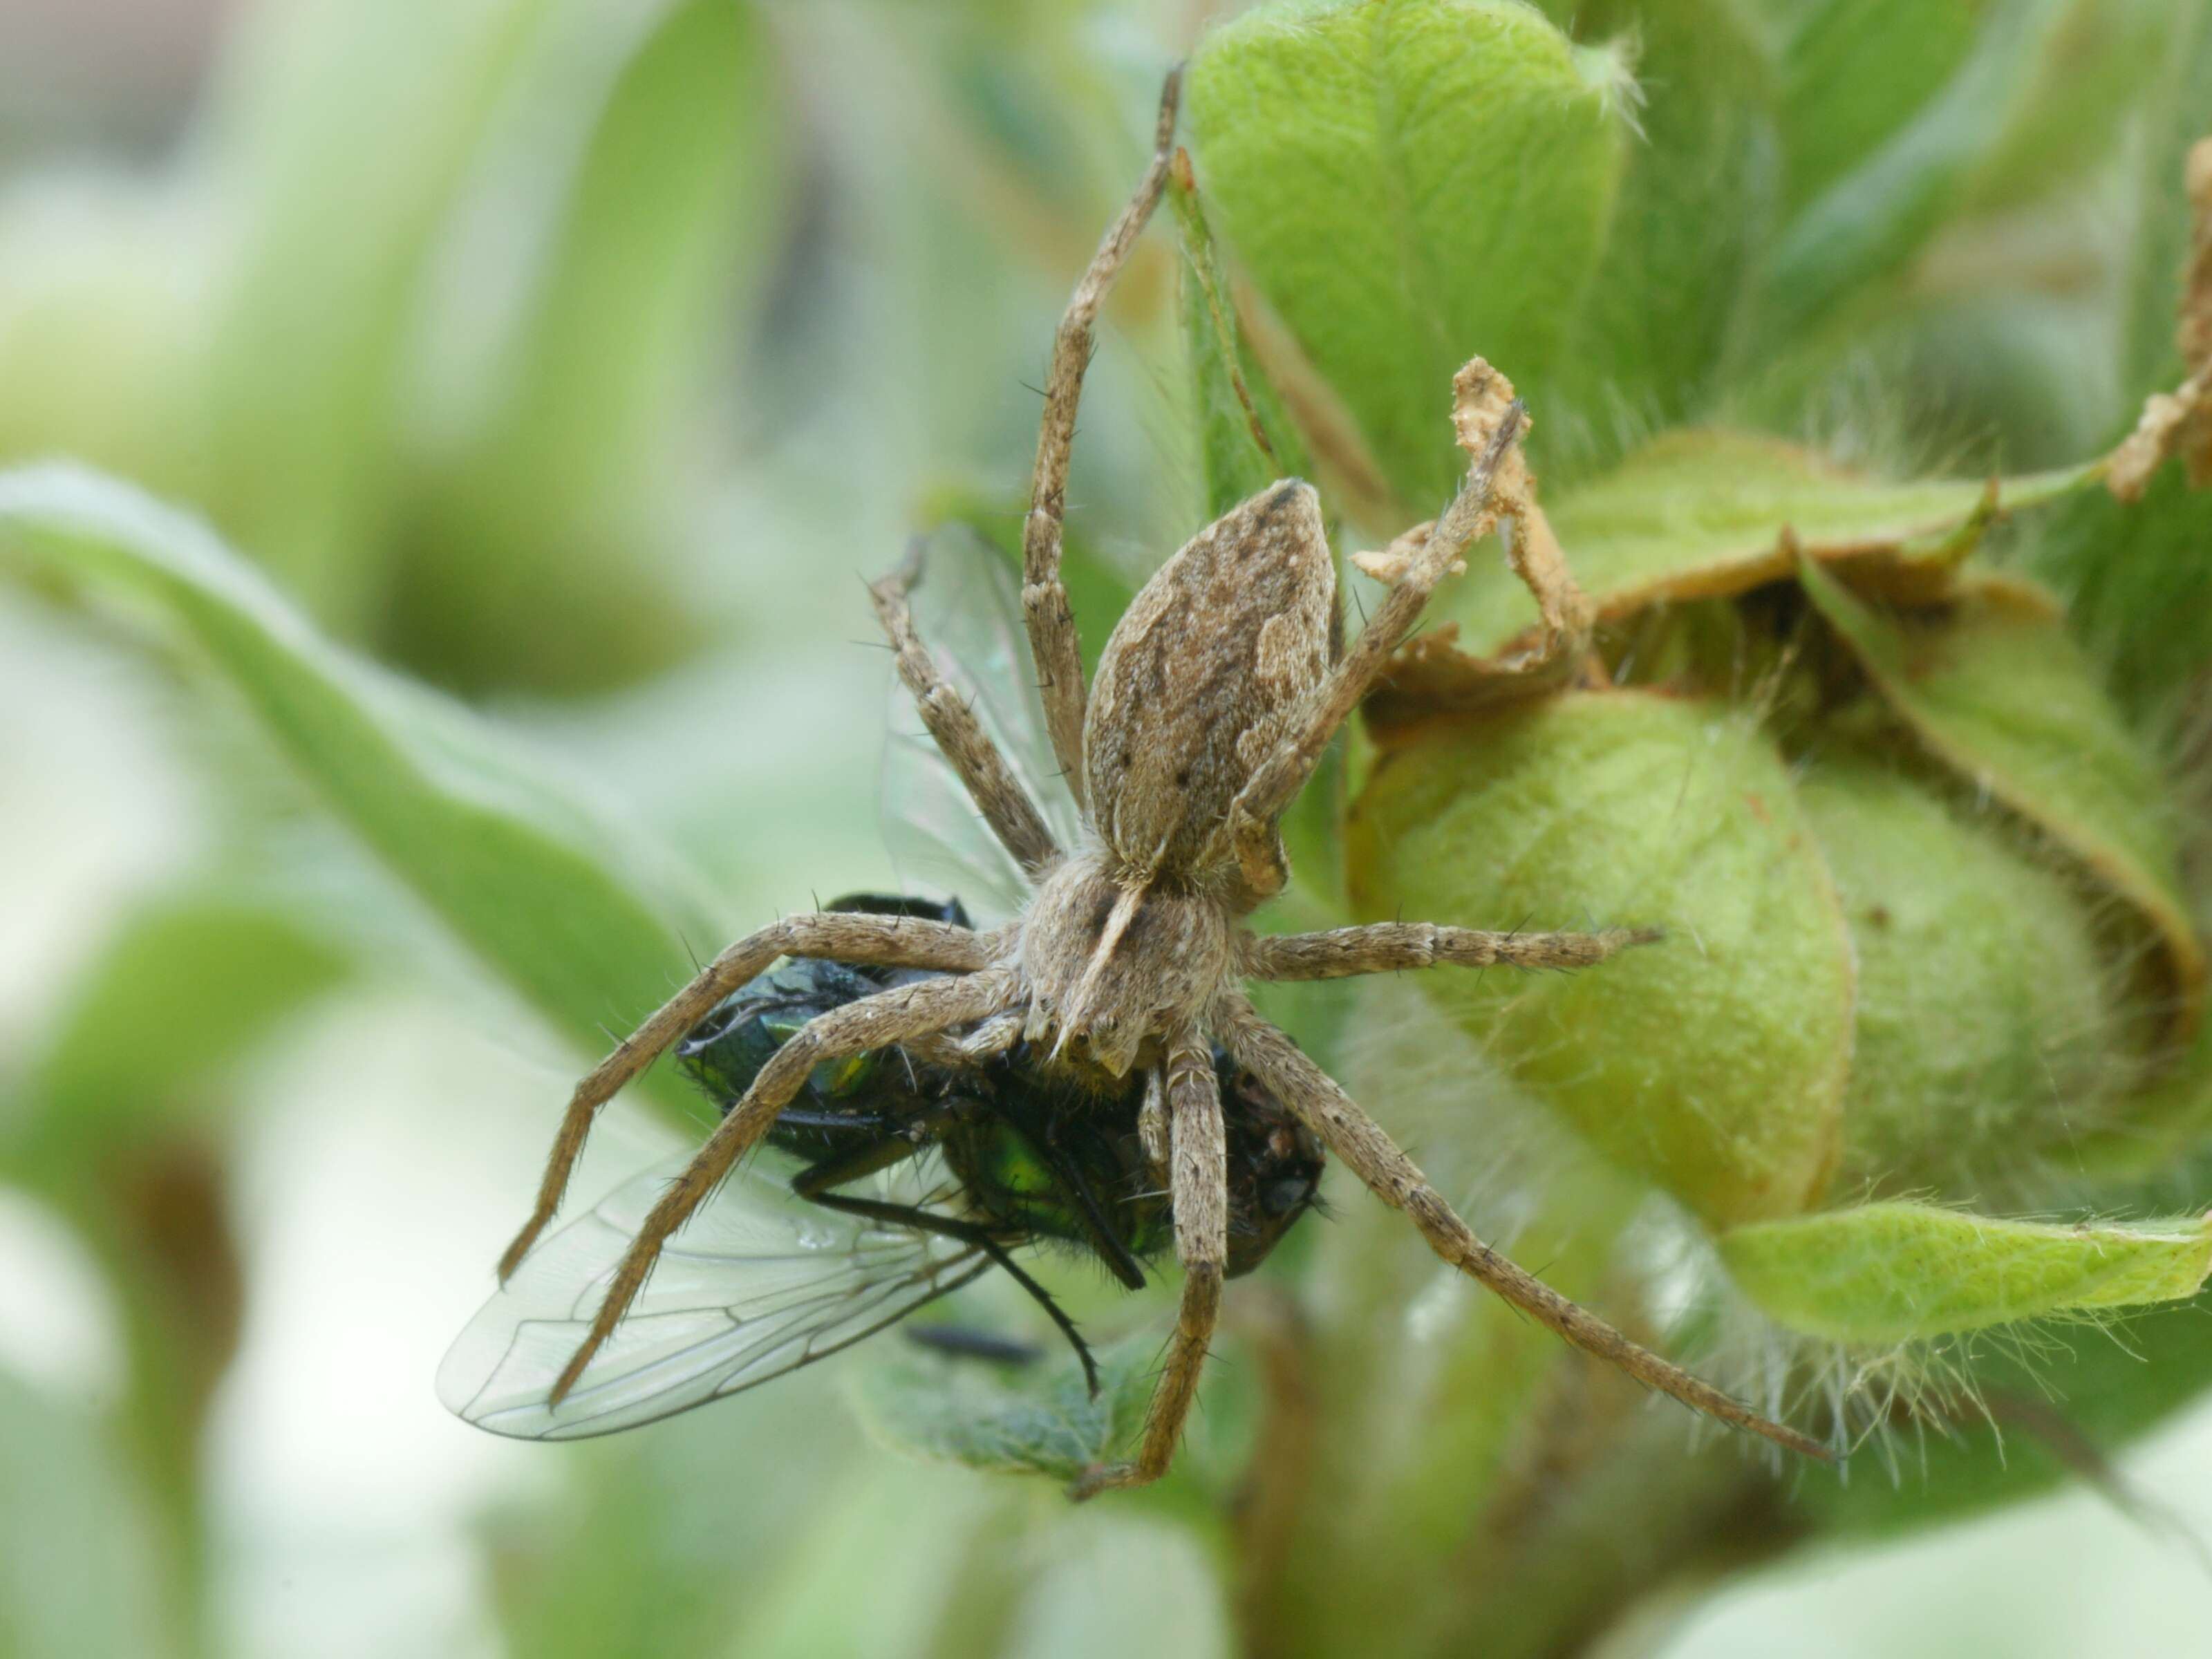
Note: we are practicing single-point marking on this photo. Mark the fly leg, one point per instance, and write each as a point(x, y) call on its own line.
point(1112, 1248)
point(815, 1182)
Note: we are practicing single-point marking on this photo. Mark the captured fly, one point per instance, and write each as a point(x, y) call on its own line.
point(784, 1271)
point(907, 1174)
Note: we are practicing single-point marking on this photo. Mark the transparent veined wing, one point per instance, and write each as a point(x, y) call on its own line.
point(968, 611)
point(759, 1283)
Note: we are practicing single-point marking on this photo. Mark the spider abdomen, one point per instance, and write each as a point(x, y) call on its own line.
point(1199, 677)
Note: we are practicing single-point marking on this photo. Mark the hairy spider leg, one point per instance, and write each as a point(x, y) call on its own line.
point(1385, 947)
point(1200, 1160)
point(1320, 1102)
point(1053, 642)
point(912, 1010)
point(1007, 810)
point(852, 936)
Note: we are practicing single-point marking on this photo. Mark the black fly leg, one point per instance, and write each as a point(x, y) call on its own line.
point(815, 1182)
point(1120, 1261)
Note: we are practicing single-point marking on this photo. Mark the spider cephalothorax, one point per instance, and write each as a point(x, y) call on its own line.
point(1216, 696)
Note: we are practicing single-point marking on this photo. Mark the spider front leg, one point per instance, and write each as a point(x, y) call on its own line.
point(904, 1011)
point(1200, 1185)
point(887, 941)
point(1012, 816)
point(1386, 947)
point(1317, 1100)
point(1275, 782)
point(1053, 640)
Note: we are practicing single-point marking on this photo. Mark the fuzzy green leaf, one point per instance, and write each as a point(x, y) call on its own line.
point(588, 920)
point(1246, 440)
point(1693, 212)
point(1409, 183)
point(1712, 1063)
point(2038, 1418)
point(1885, 1274)
point(1039, 1420)
point(1995, 688)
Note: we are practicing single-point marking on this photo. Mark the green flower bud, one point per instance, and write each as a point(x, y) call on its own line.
point(1926, 934)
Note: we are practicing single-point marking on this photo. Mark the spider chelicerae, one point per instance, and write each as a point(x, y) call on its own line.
point(1215, 697)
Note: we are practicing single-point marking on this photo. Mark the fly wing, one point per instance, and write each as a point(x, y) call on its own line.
point(968, 612)
point(759, 1283)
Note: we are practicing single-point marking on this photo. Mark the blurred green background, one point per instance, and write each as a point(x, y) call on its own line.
point(579, 358)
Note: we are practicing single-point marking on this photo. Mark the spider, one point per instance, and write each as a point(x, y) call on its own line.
point(1216, 695)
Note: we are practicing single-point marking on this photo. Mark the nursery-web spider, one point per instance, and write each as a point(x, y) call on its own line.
point(1215, 697)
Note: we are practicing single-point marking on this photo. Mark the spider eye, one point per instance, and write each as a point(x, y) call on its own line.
point(1286, 1195)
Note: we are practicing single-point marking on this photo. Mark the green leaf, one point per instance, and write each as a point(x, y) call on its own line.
point(1863, 228)
point(2088, 88)
point(1997, 691)
point(1713, 1063)
point(624, 212)
point(1886, 1274)
point(1989, 1033)
point(584, 918)
point(1701, 515)
point(1858, 71)
point(183, 990)
point(1039, 1420)
point(335, 200)
point(1410, 183)
point(1246, 440)
point(2037, 1419)
point(80, 1572)
point(2137, 580)
point(1692, 214)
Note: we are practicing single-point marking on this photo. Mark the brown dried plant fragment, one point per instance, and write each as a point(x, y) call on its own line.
point(2179, 423)
point(1388, 565)
point(1434, 664)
